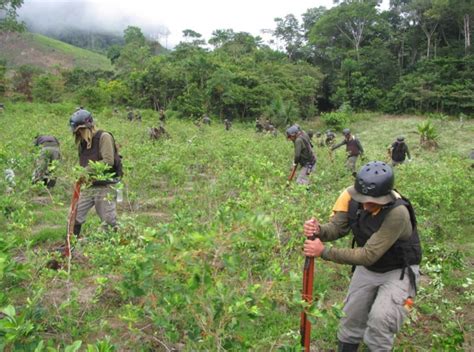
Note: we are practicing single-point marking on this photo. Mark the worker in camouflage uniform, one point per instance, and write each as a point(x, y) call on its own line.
point(130, 114)
point(206, 120)
point(227, 124)
point(330, 138)
point(304, 155)
point(398, 151)
point(162, 116)
point(49, 152)
point(353, 149)
point(98, 146)
point(386, 259)
point(319, 139)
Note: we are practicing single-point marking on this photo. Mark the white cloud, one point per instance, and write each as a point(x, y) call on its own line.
point(202, 16)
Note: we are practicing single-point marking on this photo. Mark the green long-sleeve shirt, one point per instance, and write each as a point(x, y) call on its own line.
point(303, 153)
point(396, 225)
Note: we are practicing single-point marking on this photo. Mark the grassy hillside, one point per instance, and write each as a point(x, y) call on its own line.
point(208, 253)
point(47, 53)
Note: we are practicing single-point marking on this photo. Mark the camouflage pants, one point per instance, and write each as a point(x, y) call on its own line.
point(103, 198)
point(374, 307)
point(46, 157)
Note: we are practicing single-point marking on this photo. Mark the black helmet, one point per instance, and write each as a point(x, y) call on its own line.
point(346, 131)
point(293, 130)
point(374, 183)
point(81, 118)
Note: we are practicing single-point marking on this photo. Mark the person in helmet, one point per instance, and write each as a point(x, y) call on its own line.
point(206, 120)
point(319, 139)
point(227, 124)
point(98, 146)
point(304, 155)
point(353, 149)
point(48, 154)
point(162, 116)
point(386, 257)
point(330, 138)
point(130, 114)
point(398, 151)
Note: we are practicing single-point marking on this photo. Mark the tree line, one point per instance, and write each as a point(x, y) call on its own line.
point(416, 56)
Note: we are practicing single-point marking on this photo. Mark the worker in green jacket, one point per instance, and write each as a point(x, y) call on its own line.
point(386, 257)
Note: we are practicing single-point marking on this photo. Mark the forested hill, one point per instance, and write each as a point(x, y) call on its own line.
point(98, 41)
point(40, 51)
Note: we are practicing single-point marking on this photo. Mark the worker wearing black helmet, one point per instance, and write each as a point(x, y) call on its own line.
point(98, 146)
point(386, 258)
point(398, 151)
point(304, 155)
point(353, 149)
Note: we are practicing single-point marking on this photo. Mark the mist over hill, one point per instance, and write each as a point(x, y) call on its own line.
point(85, 24)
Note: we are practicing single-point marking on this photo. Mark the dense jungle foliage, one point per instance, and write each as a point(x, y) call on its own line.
point(208, 253)
point(414, 57)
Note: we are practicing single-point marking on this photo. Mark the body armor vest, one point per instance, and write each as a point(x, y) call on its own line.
point(399, 151)
point(85, 155)
point(352, 148)
point(403, 253)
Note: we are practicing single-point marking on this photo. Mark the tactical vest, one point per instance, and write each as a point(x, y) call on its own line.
point(403, 253)
point(398, 151)
point(93, 154)
point(352, 148)
point(306, 141)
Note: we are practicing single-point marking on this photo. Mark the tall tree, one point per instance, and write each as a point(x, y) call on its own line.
point(288, 30)
point(8, 15)
point(350, 21)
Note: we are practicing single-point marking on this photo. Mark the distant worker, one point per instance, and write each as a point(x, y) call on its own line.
point(138, 116)
point(227, 124)
point(330, 138)
point(258, 125)
point(156, 133)
point(162, 116)
point(398, 151)
point(97, 146)
point(272, 130)
point(311, 135)
point(353, 149)
point(206, 120)
point(49, 152)
point(10, 180)
point(130, 114)
point(319, 139)
point(304, 154)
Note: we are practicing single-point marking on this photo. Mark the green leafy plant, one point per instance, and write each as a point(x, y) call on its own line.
point(428, 134)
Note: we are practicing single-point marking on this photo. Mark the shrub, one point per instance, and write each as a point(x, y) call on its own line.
point(336, 119)
point(47, 88)
point(92, 96)
point(428, 135)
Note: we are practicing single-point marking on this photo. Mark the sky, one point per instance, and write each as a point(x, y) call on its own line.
point(167, 19)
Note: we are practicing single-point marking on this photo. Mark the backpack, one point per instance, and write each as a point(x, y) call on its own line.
point(118, 167)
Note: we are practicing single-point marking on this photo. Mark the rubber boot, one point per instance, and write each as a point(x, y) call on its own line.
point(347, 347)
point(77, 230)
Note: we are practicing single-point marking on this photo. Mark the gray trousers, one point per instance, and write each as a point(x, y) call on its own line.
point(104, 200)
point(305, 172)
point(351, 163)
point(374, 307)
